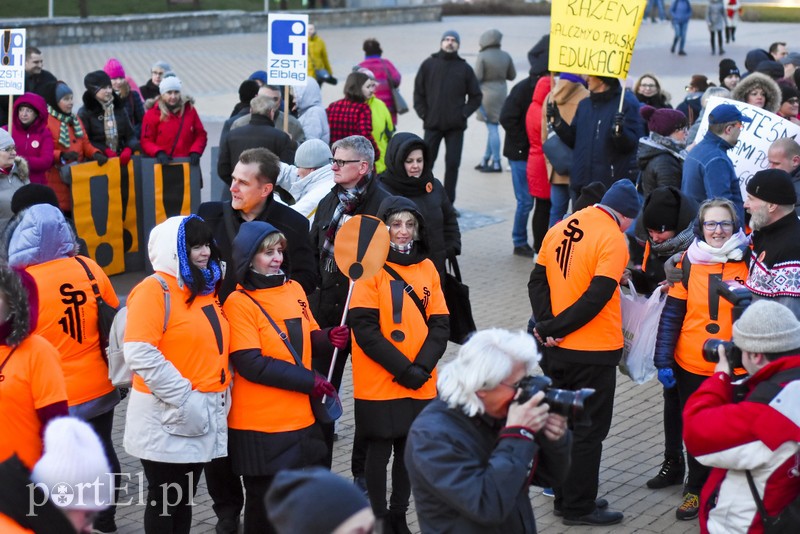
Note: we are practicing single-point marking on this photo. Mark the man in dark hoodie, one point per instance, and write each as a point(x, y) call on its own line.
point(446, 93)
point(512, 117)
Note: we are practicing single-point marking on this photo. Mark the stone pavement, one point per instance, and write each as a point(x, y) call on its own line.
point(211, 69)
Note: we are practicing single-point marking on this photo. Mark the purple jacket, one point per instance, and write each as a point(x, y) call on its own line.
point(35, 143)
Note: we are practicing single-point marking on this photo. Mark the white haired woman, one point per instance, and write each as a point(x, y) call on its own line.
point(473, 452)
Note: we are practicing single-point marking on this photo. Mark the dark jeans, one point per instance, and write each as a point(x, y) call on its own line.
point(378, 453)
point(540, 222)
point(453, 144)
point(103, 424)
point(255, 510)
point(322, 366)
point(358, 457)
point(170, 491)
point(576, 496)
point(225, 490)
point(673, 424)
point(688, 384)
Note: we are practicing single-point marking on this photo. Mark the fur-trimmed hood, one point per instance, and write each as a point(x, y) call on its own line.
point(754, 80)
point(22, 299)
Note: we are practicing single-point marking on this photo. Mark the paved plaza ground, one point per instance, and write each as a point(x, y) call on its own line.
point(211, 69)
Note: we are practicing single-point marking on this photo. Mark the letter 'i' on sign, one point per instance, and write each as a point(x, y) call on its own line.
point(287, 51)
point(361, 246)
point(97, 209)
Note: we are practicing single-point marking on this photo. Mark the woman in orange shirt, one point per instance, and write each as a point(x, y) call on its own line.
point(398, 340)
point(691, 315)
point(271, 425)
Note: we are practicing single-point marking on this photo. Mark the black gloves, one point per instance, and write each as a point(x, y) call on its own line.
point(553, 115)
point(414, 377)
point(616, 129)
point(332, 80)
point(163, 158)
point(100, 158)
point(69, 156)
point(194, 159)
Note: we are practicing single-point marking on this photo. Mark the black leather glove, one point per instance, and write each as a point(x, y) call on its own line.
point(194, 159)
point(100, 158)
point(619, 121)
point(332, 80)
point(163, 158)
point(553, 115)
point(414, 377)
point(69, 156)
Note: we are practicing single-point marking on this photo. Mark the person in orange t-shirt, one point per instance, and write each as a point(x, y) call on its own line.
point(397, 343)
point(574, 294)
point(32, 387)
point(178, 406)
point(691, 316)
point(271, 426)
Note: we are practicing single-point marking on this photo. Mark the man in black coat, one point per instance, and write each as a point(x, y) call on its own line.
point(516, 146)
point(446, 93)
point(260, 132)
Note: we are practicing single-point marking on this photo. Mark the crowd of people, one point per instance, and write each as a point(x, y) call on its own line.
point(231, 341)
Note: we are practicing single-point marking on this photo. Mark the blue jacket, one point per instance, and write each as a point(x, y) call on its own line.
point(681, 11)
point(598, 156)
point(708, 173)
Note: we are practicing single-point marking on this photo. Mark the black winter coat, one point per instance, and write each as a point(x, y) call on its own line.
point(427, 193)
point(259, 133)
point(512, 118)
point(298, 261)
point(660, 166)
point(443, 83)
point(149, 90)
point(327, 304)
point(92, 116)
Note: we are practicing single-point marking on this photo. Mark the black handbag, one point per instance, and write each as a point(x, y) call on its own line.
point(325, 412)
point(557, 152)
point(400, 105)
point(105, 311)
point(456, 295)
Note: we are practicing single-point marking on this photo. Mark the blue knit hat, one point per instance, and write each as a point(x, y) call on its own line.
point(453, 34)
point(623, 198)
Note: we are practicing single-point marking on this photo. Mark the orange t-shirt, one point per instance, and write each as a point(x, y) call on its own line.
point(370, 380)
point(197, 337)
point(9, 526)
point(255, 406)
point(585, 245)
point(32, 379)
point(68, 320)
point(697, 324)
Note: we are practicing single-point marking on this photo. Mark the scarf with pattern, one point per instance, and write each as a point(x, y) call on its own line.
point(110, 125)
point(66, 121)
point(348, 203)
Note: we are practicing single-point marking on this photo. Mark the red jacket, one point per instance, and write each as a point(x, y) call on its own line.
point(538, 178)
point(158, 135)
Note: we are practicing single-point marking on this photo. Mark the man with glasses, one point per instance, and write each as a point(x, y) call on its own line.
point(708, 171)
point(13, 175)
point(784, 154)
point(774, 271)
point(150, 90)
point(356, 192)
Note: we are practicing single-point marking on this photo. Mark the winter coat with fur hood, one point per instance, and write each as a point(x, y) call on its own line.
point(34, 143)
point(761, 81)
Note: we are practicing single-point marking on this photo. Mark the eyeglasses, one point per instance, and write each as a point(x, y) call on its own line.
point(711, 226)
point(514, 386)
point(157, 72)
point(647, 85)
point(793, 100)
point(9, 149)
point(343, 162)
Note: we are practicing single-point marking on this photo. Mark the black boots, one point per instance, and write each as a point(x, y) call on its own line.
point(671, 474)
point(395, 523)
point(674, 44)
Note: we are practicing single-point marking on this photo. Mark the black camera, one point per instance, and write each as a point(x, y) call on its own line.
point(732, 352)
point(561, 401)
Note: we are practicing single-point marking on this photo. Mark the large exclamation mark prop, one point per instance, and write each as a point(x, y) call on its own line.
point(6, 48)
point(360, 250)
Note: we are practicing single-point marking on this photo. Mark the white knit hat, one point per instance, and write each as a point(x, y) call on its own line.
point(170, 83)
point(74, 468)
point(767, 327)
point(5, 139)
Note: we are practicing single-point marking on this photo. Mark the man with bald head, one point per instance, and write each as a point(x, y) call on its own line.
point(784, 154)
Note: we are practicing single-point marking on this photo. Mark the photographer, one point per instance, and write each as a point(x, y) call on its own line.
point(759, 435)
point(473, 452)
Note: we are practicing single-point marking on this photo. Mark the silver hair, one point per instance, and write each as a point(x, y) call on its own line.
point(358, 144)
point(263, 105)
point(485, 360)
point(721, 92)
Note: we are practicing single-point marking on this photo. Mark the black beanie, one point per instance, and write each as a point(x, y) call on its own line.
point(94, 81)
point(31, 195)
point(726, 68)
point(773, 69)
point(773, 186)
point(787, 92)
point(609, 81)
point(538, 56)
point(590, 194)
point(661, 210)
point(248, 91)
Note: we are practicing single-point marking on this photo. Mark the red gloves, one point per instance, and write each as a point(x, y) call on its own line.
point(110, 153)
point(125, 156)
point(339, 336)
point(322, 387)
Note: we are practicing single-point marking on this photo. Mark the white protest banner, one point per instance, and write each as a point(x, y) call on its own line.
point(12, 61)
point(287, 57)
point(594, 36)
point(750, 153)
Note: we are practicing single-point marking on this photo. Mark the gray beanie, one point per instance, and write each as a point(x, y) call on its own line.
point(5, 139)
point(313, 154)
point(161, 65)
point(453, 34)
point(170, 83)
point(767, 327)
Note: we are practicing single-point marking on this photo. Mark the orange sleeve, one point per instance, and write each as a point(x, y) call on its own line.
point(246, 322)
point(103, 283)
point(47, 380)
point(365, 292)
point(146, 313)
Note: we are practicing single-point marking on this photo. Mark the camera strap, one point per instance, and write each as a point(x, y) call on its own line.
point(768, 389)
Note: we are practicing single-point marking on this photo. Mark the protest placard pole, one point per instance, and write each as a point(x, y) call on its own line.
point(621, 98)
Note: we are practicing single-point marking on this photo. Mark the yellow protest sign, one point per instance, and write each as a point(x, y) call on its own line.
point(594, 36)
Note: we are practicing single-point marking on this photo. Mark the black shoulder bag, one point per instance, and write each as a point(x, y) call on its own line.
point(105, 311)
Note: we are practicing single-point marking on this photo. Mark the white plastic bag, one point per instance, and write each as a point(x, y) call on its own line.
point(640, 318)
